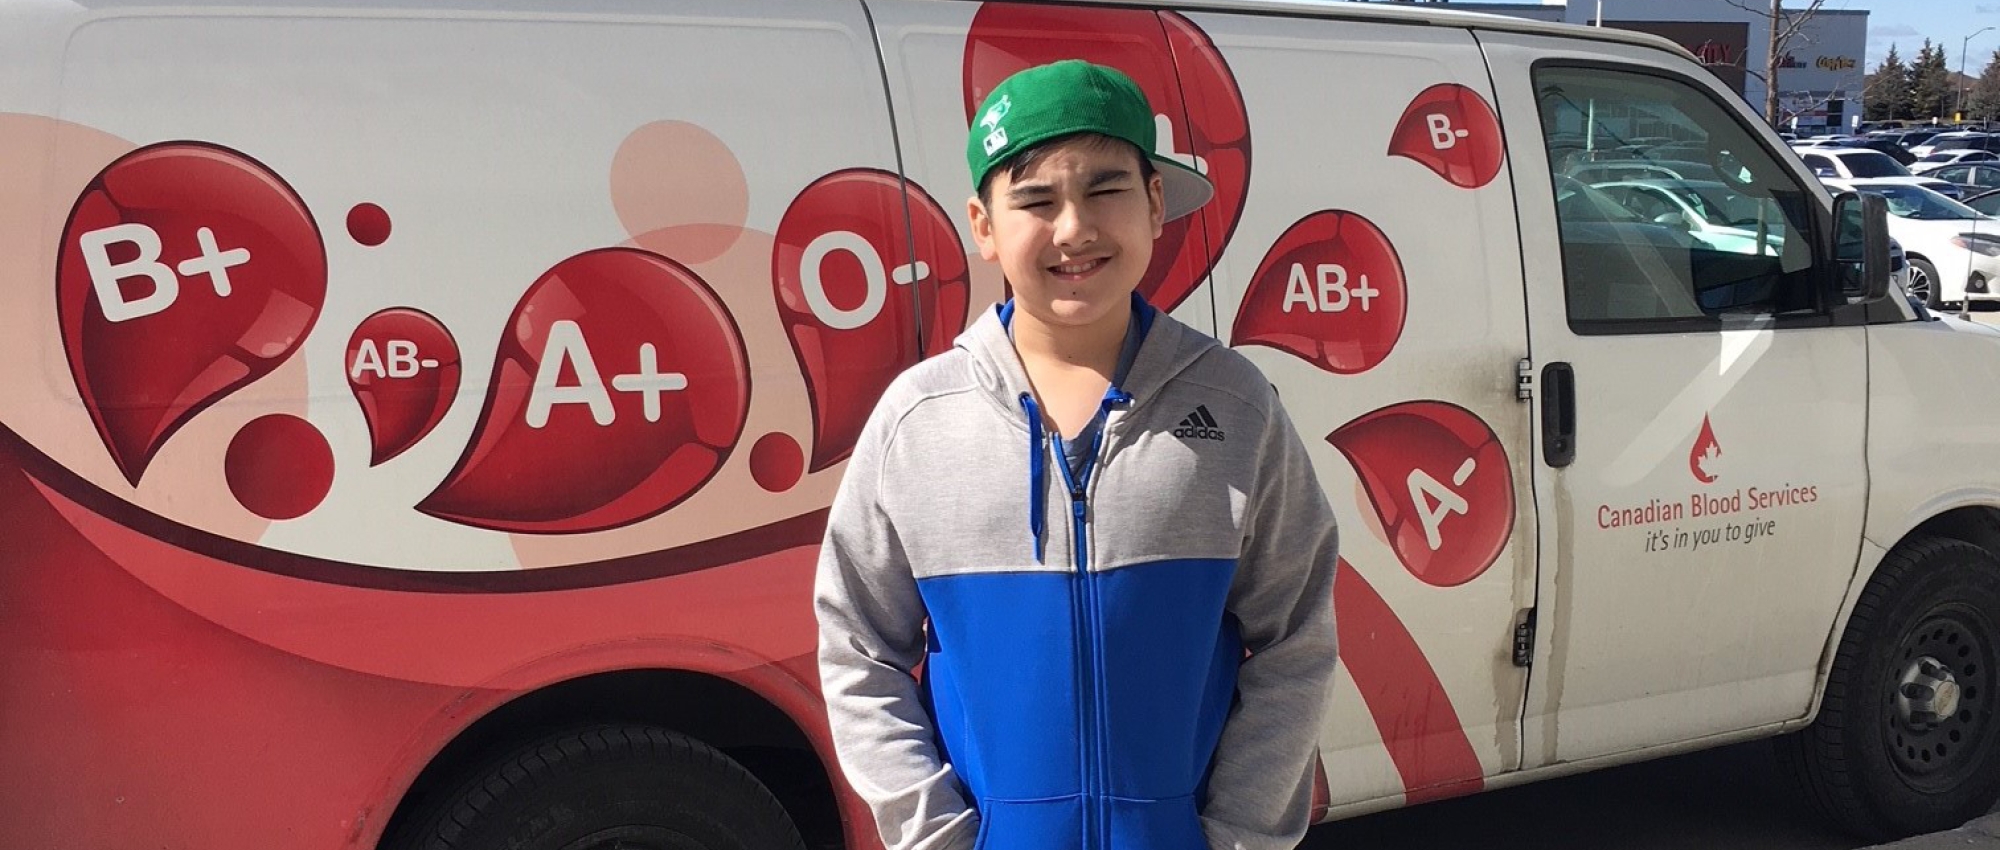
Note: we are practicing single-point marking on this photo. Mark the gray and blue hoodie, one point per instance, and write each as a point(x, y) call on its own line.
point(1132, 656)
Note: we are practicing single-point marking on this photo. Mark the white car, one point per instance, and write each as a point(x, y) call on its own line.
point(1939, 159)
point(1710, 211)
point(1864, 164)
point(1931, 146)
point(1953, 250)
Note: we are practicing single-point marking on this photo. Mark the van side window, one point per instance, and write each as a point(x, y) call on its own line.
point(1672, 217)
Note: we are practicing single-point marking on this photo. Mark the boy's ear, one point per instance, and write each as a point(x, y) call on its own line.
point(1156, 200)
point(982, 229)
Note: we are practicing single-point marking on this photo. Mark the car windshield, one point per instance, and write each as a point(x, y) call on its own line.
point(1917, 202)
point(1940, 157)
point(1872, 164)
point(1960, 143)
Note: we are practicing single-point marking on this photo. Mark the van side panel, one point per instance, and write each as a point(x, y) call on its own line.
point(378, 365)
point(1374, 275)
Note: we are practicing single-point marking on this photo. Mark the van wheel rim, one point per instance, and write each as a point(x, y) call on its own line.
point(1920, 283)
point(1940, 704)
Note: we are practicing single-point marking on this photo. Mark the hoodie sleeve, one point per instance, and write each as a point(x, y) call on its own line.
point(1260, 789)
point(871, 634)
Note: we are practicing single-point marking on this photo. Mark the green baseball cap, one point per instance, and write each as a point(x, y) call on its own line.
point(1069, 97)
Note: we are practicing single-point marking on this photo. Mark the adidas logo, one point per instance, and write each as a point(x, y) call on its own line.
point(1200, 425)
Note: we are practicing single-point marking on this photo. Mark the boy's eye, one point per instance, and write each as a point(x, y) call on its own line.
point(1108, 191)
point(1034, 205)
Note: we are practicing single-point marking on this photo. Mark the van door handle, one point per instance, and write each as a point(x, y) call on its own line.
point(1558, 414)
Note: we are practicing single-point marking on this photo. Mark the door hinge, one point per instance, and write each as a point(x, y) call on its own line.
point(1524, 638)
point(1524, 380)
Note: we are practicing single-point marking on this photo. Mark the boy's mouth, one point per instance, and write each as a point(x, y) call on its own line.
point(1078, 270)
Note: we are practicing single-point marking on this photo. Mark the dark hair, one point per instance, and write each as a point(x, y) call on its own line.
point(1026, 159)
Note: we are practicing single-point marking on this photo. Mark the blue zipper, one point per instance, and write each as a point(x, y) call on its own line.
point(1096, 821)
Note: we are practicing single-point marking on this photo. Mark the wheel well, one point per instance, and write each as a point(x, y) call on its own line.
point(1979, 526)
point(718, 712)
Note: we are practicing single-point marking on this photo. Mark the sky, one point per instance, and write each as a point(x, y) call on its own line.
point(1906, 23)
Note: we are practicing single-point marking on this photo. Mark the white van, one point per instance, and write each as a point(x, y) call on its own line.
point(424, 414)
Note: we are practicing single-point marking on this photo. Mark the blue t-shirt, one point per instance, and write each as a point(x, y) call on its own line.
point(1076, 450)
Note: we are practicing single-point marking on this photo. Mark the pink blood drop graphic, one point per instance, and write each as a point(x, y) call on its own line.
point(1412, 711)
point(187, 271)
point(1199, 109)
point(852, 296)
point(368, 224)
point(403, 367)
point(1331, 292)
point(279, 466)
point(1451, 130)
point(620, 387)
point(777, 462)
point(1439, 481)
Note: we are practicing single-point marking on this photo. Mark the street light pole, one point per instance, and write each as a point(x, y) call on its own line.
point(1961, 71)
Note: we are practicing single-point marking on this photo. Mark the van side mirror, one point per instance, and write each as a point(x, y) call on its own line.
point(1861, 246)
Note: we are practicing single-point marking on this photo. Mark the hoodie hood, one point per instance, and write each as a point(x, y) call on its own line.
point(1167, 349)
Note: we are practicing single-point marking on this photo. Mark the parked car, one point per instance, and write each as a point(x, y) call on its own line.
point(1940, 159)
point(1986, 202)
point(1887, 146)
point(1953, 249)
point(1912, 138)
point(1605, 171)
point(1859, 164)
point(1710, 211)
point(1957, 141)
point(1971, 178)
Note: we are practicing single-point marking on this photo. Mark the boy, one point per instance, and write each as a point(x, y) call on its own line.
point(1079, 521)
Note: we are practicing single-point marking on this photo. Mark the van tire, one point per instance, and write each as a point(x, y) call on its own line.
point(1864, 763)
point(629, 787)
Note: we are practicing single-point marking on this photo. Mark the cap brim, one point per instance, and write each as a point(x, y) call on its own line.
point(1185, 189)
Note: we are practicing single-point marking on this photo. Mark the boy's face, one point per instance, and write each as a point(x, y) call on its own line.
point(1074, 234)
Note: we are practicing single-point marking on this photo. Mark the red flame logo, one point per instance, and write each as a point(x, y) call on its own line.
point(1704, 460)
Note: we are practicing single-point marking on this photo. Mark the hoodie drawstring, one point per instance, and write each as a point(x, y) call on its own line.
point(1038, 474)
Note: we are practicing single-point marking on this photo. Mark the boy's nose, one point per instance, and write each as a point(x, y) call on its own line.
point(1074, 227)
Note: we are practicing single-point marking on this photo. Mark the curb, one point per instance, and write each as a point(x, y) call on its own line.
point(1981, 834)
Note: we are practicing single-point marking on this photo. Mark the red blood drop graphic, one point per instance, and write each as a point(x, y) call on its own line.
point(279, 466)
point(368, 224)
point(1452, 131)
point(1705, 456)
point(1330, 291)
point(620, 387)
point(403, 367)
point(844, 275)
point(1202, 106)
point(777, 462)
point(1411, 708)
point(1439, 481)
point(187, 271)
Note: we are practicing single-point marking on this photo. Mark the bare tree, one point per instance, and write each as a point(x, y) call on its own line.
point(1785, 25)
